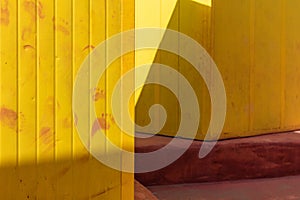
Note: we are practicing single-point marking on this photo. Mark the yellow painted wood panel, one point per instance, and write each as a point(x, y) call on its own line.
point(42, 45)
point(192, 18)
point(235, 63)
point(8, 102)
point(255, 46)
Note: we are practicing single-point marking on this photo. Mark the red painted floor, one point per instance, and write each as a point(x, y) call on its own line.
point(285, 188)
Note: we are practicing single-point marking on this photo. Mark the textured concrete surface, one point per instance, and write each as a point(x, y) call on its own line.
point(285, 188)
point(142, 193)
point(265, 156)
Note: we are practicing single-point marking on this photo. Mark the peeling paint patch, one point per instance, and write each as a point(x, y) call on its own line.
point(8, 117)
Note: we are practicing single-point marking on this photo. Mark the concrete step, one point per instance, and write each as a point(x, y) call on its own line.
point(285, 188)
point(266, 156)
point(142, 193)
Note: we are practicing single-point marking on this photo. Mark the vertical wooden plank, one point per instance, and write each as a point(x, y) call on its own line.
point(63, 99)
point(267, 84)
point(127, 63)
point(45, 100)
point(292, 74)
point(97, 171)
point(113, 73)
point(27, 73)
point(282, 62)
point(8, 99)
point(81, 42)
point(198, 28)
point(231, 54)
point(169, 19)
point(147, 14)
point(252, 63)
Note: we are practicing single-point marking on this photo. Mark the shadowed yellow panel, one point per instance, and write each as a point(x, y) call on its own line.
point(254, 44)
point(193, 19)
point(8, 99)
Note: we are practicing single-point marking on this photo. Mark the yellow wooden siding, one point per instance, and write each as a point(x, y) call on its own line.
point(42, 45)
point(192, 18)
point(255, 46)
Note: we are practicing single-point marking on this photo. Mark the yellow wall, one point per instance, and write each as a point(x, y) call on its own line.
point(192, 18)
point(42, 45)
point(255, 45)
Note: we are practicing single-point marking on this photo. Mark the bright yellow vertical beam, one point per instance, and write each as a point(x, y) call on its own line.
point(169, 19)
point(127, 63)
point(147, 14)
point(267, 84)
point(27, 73)
point(198, 14)
point(97, 35)
point(283, 65)
point(232, 54)
point(113, 133)
point(81, 45)
point(63, 99)
point(8, 99)
point(292, 41)
point(45, 99)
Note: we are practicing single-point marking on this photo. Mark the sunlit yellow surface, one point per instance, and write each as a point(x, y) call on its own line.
point(204, 2)
point(42, 45)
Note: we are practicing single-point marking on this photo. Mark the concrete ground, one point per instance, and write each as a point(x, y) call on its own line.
point(285, 188)
point(267, 156)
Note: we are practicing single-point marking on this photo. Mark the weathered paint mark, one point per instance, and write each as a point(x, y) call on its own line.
point(8, 117)
point(112, 119)
point(28, 47)
point(64, 171)
point(88, 47)
point(40, 10)
point(26, 32)
point(62, 29)
point(100, 123)
point(45, 131)
point(75, 119)
point(98, 94)
point(67, 122)
point(61, 26)
point(84, 159)
point(4, 13)
point(46, 135)
point(30, 7)
point(58, 105)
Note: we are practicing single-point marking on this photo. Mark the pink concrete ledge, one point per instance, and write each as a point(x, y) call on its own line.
point(142, 193)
